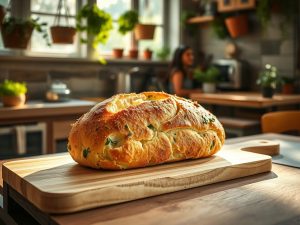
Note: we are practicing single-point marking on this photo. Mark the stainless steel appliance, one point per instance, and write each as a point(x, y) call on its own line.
point(58, 92)
point(234, 74)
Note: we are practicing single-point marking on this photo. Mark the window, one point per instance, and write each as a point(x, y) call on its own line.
point(152, 11)
point(116, 40)
point(46, 10)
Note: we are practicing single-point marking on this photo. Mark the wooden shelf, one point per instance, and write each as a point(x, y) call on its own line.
point(201, 19)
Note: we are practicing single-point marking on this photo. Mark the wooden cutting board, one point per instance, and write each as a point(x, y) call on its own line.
point(57, 184)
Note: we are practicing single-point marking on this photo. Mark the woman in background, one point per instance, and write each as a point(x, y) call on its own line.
point(181, 79)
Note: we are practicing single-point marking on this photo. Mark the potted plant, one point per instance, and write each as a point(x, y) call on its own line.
point(127, 22)
point(269, 80)
point(163, 53)
point(209, 78)
point(133, 53)
point(16, 32)
point(98, 24)
point(147, 53)
point(144, 31)
point(288, 85)
point(62, 34)
point(13, 93)
point(237, 25)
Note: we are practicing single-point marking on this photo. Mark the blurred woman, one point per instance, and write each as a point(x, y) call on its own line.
point(181, 79)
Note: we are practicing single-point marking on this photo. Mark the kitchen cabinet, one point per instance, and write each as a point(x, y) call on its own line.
point(56, 119)
point(234, 5)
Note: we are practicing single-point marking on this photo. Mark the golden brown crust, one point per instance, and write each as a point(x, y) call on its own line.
point(137, 130)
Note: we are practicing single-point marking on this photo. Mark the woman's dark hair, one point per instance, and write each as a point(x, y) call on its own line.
point(176, 64)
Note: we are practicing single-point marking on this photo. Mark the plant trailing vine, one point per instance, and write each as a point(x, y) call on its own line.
point(10, 23)
point(98, 23)
point(127, 21)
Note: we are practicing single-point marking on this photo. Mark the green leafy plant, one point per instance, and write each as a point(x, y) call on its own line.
point(288, 10)
point(269, 78)
point(10, 23)
point(11, 88)
point(98, 23)
point(190, 28)
point(210, 75)
point(127, 21)
point(219, 28)
point(163, 53)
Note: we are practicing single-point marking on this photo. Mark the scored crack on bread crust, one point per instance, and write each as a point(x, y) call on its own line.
point(138, 130)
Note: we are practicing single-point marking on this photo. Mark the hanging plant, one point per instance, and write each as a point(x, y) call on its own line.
point(97, 23)
point(127, 21)
point(62, 34)
point(16, 32)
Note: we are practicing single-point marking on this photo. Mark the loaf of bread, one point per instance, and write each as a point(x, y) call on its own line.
point(138, 130)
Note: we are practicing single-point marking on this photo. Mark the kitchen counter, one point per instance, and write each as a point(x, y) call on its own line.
point(267, 198)
point(35, 109)
point(55, 117)
point(245, 99)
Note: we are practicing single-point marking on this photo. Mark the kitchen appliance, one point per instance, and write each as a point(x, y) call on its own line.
point(58, 92)
point(234, 74)
point(57, 184)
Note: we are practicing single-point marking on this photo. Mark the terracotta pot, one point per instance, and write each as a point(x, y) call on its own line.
point(62, 35)
point(118, 52)
point(237, 25)
point(18, 37)
point(144, 31)
point(10, 101)
point(133, 54)
point(2, 13)
point(288, 89)
point(147, 54)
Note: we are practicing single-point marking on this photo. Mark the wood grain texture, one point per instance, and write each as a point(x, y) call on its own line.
point(263, 199)
point(56, 184)
point(245, 99)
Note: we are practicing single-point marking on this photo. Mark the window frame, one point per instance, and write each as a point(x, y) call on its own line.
point(22, 9)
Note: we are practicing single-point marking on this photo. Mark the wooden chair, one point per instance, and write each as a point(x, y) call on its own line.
point(281, 122)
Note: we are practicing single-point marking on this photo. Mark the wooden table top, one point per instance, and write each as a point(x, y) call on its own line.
point(268, 198)
point(33, 109)
point(245, 99)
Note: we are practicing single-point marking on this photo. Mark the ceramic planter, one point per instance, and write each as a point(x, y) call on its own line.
point(267, 92)
point(118, 52)
point(17, 37)
point(147, 54)
point(209, 87)
point(237, 25)
point(133, 54)
point(62, 35)
point(144, 31)
point(10, 101)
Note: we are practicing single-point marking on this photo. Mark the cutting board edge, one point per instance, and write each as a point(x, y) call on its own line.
point(265, 165)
